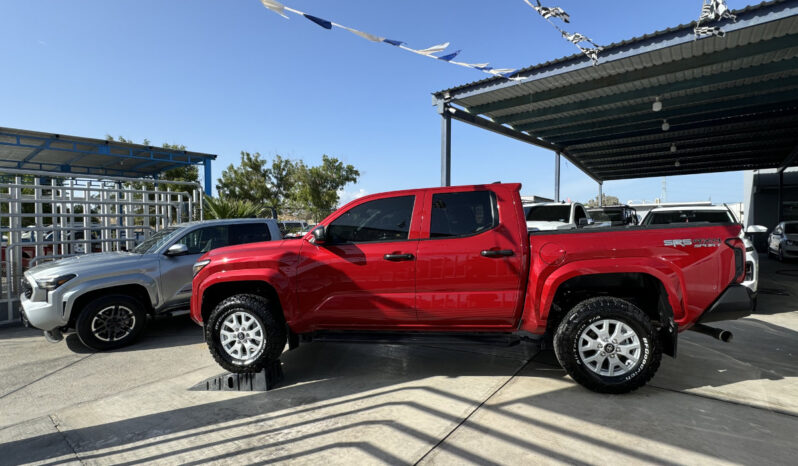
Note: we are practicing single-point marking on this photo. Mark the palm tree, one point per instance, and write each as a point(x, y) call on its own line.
point(231, 208)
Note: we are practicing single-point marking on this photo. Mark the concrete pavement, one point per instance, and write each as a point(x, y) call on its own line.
point(349, 403)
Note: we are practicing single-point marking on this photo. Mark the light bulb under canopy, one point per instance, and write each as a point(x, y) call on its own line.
point(665, 125)
point(657, 106)
point(673, 147)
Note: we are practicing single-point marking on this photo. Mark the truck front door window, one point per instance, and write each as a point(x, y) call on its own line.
point(379, 220)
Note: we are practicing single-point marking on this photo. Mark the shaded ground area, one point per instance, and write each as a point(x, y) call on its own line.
point(715, 403)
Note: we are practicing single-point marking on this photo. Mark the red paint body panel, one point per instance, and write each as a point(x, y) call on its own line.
point(449, 285)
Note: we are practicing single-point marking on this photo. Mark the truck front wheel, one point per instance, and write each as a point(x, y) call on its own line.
point(608, 345)
point(243, 333)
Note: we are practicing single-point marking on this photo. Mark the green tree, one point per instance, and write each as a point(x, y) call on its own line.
point(231, 208)
point(316, 188)
point(259, 182)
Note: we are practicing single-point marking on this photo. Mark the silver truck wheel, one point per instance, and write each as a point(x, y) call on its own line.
point(110, 321)
point(242, 336)
point(113, 323)
point(609, 347)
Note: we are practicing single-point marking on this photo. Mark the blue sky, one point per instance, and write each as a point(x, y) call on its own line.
point(225, 76)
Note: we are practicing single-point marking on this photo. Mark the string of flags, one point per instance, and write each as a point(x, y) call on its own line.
point(582, 42)
point(435, 52)
point(712, 10)
point(429, 52)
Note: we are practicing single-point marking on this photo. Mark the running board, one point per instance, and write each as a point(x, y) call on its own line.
point(408, 338)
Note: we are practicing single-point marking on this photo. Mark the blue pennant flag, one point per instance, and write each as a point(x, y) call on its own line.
point(321, 22)
point(393, 42)
point(450, 56)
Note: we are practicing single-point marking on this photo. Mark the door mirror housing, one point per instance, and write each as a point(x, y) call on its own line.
point(319, 235)
point(177, 250)
point(756, 229)
point(585, 221)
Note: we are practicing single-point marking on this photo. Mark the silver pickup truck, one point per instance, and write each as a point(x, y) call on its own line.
point(106, 297)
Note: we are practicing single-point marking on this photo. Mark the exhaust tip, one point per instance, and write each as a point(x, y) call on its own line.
point(725, 336)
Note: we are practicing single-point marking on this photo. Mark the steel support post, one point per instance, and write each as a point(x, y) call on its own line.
point(781, 197)
point(208, 176)
point(557, 177)
point(601, 194)
point(446, 150)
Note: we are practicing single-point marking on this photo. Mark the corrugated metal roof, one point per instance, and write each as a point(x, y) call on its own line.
point(718, 95)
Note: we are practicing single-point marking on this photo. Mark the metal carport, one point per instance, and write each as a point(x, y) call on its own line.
point(727, 103)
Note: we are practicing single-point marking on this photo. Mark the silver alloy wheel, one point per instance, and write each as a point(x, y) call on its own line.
point(609, 347)
point(242, 336)
point(113, 323)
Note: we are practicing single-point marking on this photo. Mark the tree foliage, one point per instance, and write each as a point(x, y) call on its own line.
point(225, 207)
point(317, 187)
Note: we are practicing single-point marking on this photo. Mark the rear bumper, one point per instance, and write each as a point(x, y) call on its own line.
point(735, 302)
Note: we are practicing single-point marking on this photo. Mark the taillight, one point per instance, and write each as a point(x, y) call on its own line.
point(738, 247)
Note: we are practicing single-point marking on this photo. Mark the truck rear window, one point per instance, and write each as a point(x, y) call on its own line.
point(462, 214)
point(688, 216)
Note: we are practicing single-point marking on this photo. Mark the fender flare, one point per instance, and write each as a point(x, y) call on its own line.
point(148, 283)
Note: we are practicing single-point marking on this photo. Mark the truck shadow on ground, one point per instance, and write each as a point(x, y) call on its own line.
point(346, 391)
point(161, 332)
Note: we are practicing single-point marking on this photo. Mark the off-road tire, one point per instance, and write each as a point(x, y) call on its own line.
point(589, 311)
point(267, 316)
point(125, 306)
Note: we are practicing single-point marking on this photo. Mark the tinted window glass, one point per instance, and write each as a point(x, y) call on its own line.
point(579, 214)
point(203, 240)
point(791, 228)
point(249, 233)
point(462, 214)
point(688, 216)
point(549, 213)
point(379, 220)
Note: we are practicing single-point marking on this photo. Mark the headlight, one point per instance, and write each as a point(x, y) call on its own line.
point(199, 266)
point(51, 283)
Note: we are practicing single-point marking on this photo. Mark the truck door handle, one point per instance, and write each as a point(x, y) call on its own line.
point(495, 253)
point(398, 257)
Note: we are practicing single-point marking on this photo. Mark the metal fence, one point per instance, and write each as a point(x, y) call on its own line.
point(46, 216)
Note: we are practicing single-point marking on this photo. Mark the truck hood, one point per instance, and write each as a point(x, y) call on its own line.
point(89, 263)
point(283, 250)
point(541, 225)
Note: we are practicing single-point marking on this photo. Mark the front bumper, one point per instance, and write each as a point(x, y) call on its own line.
point(43, 314)
point(736, 302)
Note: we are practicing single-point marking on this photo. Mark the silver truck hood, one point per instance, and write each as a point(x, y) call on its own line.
point(100, 263)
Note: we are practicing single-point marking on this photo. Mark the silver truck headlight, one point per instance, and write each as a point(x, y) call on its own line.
point(199, 266)
point(51, 283)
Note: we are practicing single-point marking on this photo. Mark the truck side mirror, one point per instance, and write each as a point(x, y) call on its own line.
point(177, 250)
point(319, 235)
point(585, 221)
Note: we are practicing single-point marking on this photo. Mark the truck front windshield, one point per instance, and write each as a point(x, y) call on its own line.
point(548, 213)
point(154, 242)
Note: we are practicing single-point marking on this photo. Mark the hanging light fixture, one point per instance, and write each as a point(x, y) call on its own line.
point(677, 163)
point(673, 147)
point(657, 106)
point(665, 125)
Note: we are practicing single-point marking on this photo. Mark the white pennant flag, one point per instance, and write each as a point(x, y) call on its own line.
point(433, 49)
point(362, 34)
point(275, 6)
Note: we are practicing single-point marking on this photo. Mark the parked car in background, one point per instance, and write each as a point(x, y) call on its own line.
point(783, 241)
point(711, 214)
point(292, 228)
point(458, 262)
point(615, 215)
point(107, 297)
point(556, 216)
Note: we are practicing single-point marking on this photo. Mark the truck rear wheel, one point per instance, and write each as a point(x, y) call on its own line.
point(608, 345)
point(244, 334)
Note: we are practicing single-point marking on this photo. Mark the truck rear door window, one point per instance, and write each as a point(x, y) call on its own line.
point(462, 214)
point(385, 219)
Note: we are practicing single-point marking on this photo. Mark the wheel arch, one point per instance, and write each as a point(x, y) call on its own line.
point(642, 289)
point(79, 301)
point(217, 292)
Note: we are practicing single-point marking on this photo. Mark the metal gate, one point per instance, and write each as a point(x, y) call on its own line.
point(46, 216)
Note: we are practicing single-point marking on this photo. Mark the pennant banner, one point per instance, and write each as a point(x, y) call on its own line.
point(712, 10)
point(579, 40)
point(430, 52)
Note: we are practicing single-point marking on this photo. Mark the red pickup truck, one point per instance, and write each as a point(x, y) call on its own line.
point(458, 262)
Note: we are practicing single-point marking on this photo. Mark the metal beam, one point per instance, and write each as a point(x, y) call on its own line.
point(208, 176)
point(773, 146)
point(446, 149)
point(779, 205)
point(676, 171)
point(600, 195)
point(789, 160)
point(484, 123)
point(662, 90)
